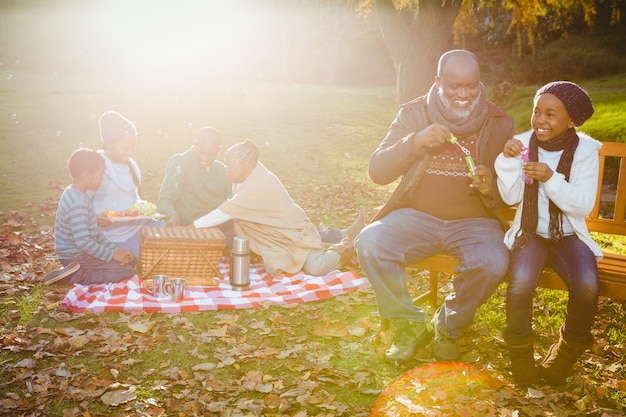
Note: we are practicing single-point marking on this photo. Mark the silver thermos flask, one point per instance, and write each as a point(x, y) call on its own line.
point(240, 264)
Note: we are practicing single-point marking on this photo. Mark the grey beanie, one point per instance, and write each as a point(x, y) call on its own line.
point(114, 126)
point(576, 100)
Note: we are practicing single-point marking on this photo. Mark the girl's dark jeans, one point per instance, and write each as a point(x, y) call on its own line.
point(575, 264)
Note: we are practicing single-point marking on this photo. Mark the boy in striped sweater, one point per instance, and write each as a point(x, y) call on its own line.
point(86, 255)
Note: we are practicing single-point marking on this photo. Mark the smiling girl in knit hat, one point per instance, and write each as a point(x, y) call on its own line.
point(552, 172)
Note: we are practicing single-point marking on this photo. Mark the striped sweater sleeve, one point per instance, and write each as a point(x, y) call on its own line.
point(80, 228)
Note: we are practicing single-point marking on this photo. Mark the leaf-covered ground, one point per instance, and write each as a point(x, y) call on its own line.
point(313, 359)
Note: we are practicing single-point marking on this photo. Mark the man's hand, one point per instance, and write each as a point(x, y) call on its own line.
point(434, 135)
point(483, 181)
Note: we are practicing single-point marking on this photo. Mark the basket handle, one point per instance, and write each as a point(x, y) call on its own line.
point(213, 267)
point(156, 263)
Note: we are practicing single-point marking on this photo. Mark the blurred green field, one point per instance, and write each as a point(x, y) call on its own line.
point(307, 133)
point(311, 136)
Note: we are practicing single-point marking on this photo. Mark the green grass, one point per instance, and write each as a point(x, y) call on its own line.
point(318, 141)
point(24, 309)
point(548, 312)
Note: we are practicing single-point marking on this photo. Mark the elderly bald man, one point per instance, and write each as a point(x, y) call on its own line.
point(442, 146)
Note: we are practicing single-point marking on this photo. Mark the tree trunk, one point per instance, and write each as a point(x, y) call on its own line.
point(415, 38)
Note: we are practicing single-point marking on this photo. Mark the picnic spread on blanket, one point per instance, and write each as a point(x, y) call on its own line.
point(183, 270)
point(183, 252)
point(131, 296)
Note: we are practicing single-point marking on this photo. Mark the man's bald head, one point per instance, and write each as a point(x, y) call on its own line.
point(457, 57)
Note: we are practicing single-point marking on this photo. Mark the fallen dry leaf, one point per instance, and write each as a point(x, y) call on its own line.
point(328, 328)
point(204, 366)
point(117, 397)
point(143, 326)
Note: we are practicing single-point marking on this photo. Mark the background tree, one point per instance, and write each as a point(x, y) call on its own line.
point(339, 43)
point(416, 33)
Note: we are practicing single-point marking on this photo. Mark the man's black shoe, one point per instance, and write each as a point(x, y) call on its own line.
point(408, 336)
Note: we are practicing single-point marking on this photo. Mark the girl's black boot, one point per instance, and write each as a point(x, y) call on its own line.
point(560, 359)
point(522, 355)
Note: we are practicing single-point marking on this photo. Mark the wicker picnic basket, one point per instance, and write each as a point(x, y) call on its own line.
point(187, 252)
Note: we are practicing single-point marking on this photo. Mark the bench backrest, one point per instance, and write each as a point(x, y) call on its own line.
point(608, 212)
point(605, 216)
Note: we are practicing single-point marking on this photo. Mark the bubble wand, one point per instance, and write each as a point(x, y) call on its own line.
point(469, 161)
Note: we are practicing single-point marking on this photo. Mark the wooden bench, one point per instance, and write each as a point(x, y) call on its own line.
point(607, 217)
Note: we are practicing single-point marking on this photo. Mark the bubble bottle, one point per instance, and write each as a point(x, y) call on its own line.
point(525, 159)
point(469, 161)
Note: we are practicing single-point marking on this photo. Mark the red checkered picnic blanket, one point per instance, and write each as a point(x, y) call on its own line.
point(130, 296)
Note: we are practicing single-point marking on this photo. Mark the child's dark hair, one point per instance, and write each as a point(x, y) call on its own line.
point(84, 159)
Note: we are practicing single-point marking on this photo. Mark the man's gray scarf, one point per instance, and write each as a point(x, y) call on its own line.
point(460, 127)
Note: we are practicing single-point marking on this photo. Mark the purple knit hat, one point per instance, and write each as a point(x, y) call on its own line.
point(576, 100)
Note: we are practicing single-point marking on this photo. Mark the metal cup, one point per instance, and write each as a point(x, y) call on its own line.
point(177, 289)
point(159, 283)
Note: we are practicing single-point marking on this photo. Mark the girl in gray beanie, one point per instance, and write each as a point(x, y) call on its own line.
point(551, 171)
point(114, 126)
point(119, 190)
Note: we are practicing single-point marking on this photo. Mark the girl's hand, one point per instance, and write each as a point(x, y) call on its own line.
point(513, 148)
point(538, 171)
point(103, 220)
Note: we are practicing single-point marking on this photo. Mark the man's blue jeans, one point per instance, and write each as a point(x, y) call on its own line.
point(406, 236)
point(575, 264)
